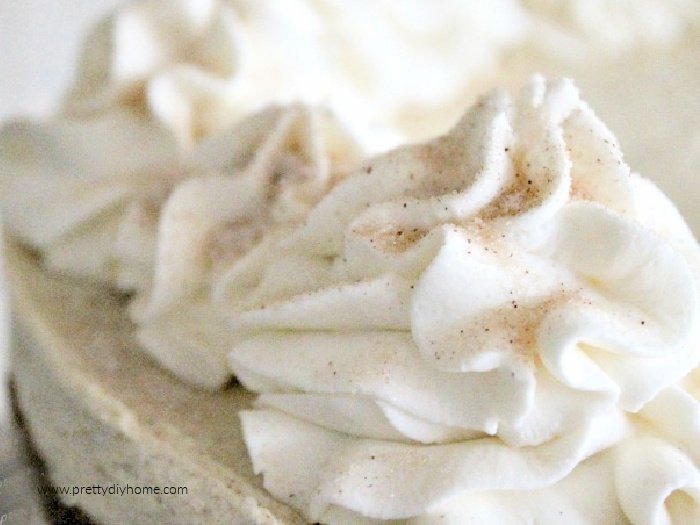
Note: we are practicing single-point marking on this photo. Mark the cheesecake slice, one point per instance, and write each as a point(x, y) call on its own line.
point(100, 413)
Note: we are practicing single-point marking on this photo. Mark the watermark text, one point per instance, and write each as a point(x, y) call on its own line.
point(112, 490)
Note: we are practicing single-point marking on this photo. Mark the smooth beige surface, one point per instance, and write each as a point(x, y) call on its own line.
point(102, 413)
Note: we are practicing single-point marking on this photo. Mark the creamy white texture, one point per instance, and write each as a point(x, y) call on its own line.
point(659, 127)
point(72, 188)
point(499, 320)
point(581, 29)
point(173, 59)
point(160, 77)
point(88, 193)
point(162, 223)
point(259, 179)
point(199, 65)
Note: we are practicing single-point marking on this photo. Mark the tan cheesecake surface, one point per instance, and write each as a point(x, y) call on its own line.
point(101, 413)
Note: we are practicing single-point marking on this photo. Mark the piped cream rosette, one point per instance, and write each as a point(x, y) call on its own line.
point(167, 163)
point(162, 224)
point(173, 60)
point(494, 326)
point(85, 188)
point(158, 78)
point(254, 183)
point(200, 65)
point(79, 190)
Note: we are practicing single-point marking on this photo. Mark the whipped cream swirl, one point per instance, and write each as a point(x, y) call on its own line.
point(159, 78)
point(172, 60)
point(77, 190)
point(160, 224)
point(494, 326)
point(198, 66)
point(254, 183)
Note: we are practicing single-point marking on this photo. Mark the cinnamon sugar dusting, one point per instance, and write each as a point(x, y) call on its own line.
point(524, 191)
point(510, 328)
point(442, 173)
point(391, 239)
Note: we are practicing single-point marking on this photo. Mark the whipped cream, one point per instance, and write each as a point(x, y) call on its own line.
point(498, 325)
point(85, 188)
point(159, 78)
point(69, 188)
point(174, 60)
point(198, 66)
point(162, 223)
point(253, 183)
